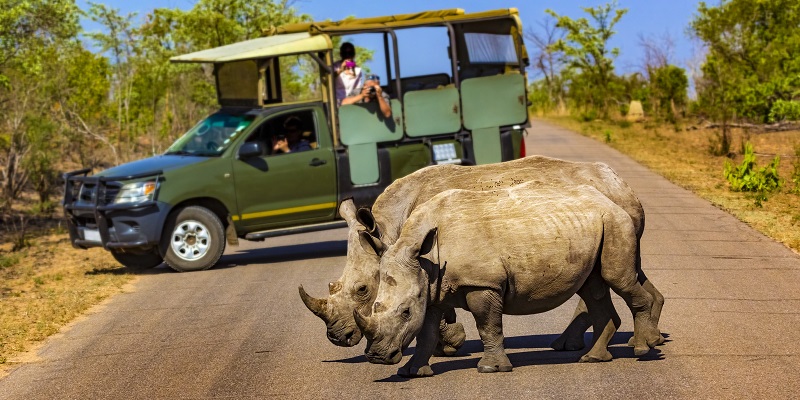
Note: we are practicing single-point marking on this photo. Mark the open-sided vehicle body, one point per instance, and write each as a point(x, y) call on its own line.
point(221, 181)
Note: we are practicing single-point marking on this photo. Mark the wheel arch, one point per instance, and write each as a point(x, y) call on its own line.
point(214, 205)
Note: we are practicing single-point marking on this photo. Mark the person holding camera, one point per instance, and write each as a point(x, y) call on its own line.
point(348, 77)
point(372, 91)
point(293, 140)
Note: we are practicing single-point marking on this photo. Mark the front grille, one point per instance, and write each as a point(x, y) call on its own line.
point(88, 192)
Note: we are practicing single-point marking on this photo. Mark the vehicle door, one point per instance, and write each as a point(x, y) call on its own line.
point(279, 189)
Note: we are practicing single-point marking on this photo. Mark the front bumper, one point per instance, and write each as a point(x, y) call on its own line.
point(94, 221)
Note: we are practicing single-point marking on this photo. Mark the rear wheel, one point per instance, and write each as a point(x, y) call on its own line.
point(137, 261)
point(195, 241)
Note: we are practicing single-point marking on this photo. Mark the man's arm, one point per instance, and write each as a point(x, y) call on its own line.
point(353, 99)
point(386, 109)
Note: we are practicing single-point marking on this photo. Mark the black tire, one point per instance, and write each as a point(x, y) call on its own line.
point(138, 261)
point(194, 239)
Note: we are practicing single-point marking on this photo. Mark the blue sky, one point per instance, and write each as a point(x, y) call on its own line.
point(644, 17)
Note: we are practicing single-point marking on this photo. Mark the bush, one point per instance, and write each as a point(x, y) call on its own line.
point(747, 177)
point(588, 116)
point(783, 110)
point(796, 170)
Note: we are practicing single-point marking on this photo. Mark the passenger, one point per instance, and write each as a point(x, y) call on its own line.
point(372, 91)
point(348, 76)
point(292, 141)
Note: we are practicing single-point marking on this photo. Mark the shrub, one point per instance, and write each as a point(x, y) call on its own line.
point(783, 110)
point(747, 177)
point(796, 170)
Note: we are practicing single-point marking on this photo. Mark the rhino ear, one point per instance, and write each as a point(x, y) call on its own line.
point(371, 244)
point(428, 242)
point(348, 211)
point(365, 217)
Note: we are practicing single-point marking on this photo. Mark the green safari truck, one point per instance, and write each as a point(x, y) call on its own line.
point(224, 180)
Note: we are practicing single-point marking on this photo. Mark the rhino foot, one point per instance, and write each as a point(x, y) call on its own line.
point(568, 343)
point(414, 372)
point(592, 358)
point(453, 336)
point(494, 368)
point(495, 363)
point(652, 342)
point(443, 350)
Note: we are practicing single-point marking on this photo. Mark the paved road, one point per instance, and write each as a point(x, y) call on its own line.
point(240, 330)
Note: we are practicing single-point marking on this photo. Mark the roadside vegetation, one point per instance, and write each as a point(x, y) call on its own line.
point(71, 99)
point(735, 143)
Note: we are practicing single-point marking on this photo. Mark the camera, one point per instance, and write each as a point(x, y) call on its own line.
point(372, 90)
point(280, 137)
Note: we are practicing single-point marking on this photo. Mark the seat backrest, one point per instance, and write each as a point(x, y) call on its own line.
point(488, 103)
point(432, 111)
point(362, 127)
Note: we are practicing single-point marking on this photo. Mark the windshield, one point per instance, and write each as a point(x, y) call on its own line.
point(212, 135)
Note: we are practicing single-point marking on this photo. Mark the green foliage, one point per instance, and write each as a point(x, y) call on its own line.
point(796, 170)
point(753, 56)
point(9, 260)
point(783, 110)
point(589, 60)
point(668, 85)
point(607, 136)
point(747, 177)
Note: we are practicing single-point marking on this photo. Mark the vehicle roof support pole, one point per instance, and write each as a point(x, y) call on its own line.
point(453, 54)
point(386, 55)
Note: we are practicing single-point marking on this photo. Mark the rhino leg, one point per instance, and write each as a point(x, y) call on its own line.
point(658, 298)
point(427, 339)
point(619, 262)
point(604, 318)
point(572, 338)
point(487, 308)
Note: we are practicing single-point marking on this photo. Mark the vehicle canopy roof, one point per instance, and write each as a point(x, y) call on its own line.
point(314, 36)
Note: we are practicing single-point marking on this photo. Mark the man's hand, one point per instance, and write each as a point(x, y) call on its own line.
point(280, 145)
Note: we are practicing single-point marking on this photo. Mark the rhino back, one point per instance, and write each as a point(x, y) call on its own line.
point(399, 200)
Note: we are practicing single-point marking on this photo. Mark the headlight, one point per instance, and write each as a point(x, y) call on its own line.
point(136, 192)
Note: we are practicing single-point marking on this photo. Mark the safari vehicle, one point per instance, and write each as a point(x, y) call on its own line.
point(221, 182)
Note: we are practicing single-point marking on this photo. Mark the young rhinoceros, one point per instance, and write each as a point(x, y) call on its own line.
point(359, 281)
point(521, 250)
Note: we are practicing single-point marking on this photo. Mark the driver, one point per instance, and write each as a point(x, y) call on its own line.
point(292, 141)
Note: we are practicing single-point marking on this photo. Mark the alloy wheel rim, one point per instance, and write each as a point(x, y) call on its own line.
point(190, 240)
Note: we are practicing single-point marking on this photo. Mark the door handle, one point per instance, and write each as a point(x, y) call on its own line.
point(316, 162)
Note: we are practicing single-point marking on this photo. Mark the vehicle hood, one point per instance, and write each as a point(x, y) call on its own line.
point(154, 164)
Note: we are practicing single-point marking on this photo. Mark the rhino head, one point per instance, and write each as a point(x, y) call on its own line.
point(356, 288)
point(398, 313)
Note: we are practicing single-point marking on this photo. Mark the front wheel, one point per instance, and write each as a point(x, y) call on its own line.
point(137, 261)
point(196, 239)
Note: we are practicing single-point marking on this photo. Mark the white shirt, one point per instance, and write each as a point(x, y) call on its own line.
point(347, 85)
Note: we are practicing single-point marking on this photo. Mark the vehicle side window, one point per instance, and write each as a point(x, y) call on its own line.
point(286, 133)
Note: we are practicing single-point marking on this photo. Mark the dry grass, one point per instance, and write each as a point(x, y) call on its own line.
point(681, 154)
point(45, 286)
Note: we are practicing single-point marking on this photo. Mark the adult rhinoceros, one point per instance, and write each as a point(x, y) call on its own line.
point(356, 288)
point(520, 250)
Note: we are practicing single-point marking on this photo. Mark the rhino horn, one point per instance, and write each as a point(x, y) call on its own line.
point(366, 325)
point(317, 306)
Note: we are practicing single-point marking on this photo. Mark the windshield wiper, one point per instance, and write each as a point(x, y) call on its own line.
point(180, 153)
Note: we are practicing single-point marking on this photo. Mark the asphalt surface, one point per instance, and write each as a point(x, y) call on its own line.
point(240, 330)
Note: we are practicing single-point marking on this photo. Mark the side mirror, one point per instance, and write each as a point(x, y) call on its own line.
point(250, 150)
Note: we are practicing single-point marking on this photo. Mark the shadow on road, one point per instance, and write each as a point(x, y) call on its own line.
point(464, 358)
point(305, 251)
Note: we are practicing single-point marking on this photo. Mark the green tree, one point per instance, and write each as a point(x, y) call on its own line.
point(587, 54)
point(753, 56)
point(668, 85)
point(31, 32)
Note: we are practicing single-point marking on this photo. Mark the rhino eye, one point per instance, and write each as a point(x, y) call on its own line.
point(406, 314)
point(362, 290)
